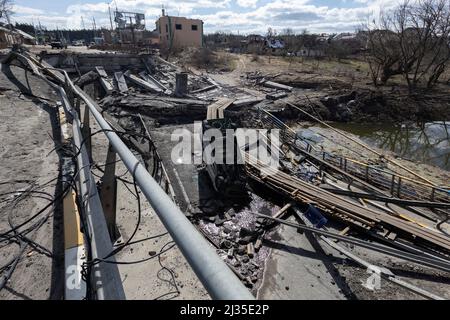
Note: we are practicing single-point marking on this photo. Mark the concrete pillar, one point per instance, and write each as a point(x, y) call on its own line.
point(181, 84)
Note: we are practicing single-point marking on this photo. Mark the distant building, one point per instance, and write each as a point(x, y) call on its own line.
point(275, 43)
point(150, 38)
point(179, 32)
point(129, 36)
point(345, 36)
point(130, 27)
point(274, 46)
point(353, 43)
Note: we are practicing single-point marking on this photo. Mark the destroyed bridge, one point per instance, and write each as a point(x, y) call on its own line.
point(337, 216)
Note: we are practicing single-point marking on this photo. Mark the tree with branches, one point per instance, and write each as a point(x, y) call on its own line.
point(6, 11)
point(412, 40)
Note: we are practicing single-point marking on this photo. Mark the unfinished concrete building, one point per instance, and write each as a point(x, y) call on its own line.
point(179, 32)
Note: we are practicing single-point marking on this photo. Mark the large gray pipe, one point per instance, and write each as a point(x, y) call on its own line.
point(214, 274)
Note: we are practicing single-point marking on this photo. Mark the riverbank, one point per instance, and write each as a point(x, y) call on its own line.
point(335, 143)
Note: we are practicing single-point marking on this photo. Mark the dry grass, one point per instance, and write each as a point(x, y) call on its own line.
point(348, 68)
point(206, 59)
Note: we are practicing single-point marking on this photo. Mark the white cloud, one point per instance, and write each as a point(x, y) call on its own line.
point(18, 9)
point(247, 3)
point(245, 16)
point(88, 7)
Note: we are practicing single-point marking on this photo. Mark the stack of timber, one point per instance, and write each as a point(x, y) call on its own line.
point(343, 208)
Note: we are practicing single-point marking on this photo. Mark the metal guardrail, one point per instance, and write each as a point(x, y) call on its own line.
point(105, 277)
point(217, 278)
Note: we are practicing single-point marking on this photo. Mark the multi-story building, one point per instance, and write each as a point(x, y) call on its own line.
point(179, 32)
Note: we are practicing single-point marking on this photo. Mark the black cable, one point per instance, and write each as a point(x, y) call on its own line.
point(24, 242)
point(136, 261)
point(171, 281)
point(58, 197)
point(148, 238)
point(86, 267)
point(90, 263)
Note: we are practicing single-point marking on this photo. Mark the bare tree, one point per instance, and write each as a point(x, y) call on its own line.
point(431, 23)
point(383, 54)
point(412, 40)
point(271, 33)
point(6, 10)
point(423, 29)
point(288, 36)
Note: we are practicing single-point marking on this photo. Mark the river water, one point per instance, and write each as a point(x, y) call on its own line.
point(428, 142)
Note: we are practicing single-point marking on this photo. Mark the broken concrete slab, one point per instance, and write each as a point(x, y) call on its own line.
point(142, 83)
point(276, 95)
point(246, 101)
point(276, 85)
point(104, 80)
point(120, 82)
point(87, 78)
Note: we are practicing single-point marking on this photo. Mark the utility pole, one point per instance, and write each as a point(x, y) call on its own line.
point(93, 19)
point(110, 18)
point(41, 32)
point(84, 31)
point(35, 32)
point(132, 30)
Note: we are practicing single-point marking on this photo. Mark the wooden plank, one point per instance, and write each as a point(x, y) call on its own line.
point(344, 231)
point(72, 234)
point(337, 205)
point(149, 78)
point(211, 112)
point(121, 83)
point(225, 104)
point(212, 82)
point(282, 210)
point(215, 110)
point(204, 89)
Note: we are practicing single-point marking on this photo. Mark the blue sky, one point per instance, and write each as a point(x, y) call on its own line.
point(243, 16)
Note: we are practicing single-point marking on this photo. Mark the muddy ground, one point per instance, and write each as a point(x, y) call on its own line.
point(337, 90)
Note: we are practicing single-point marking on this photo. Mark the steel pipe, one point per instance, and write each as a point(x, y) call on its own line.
point(214, 274)
point(218, 279)
point(106, 279)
